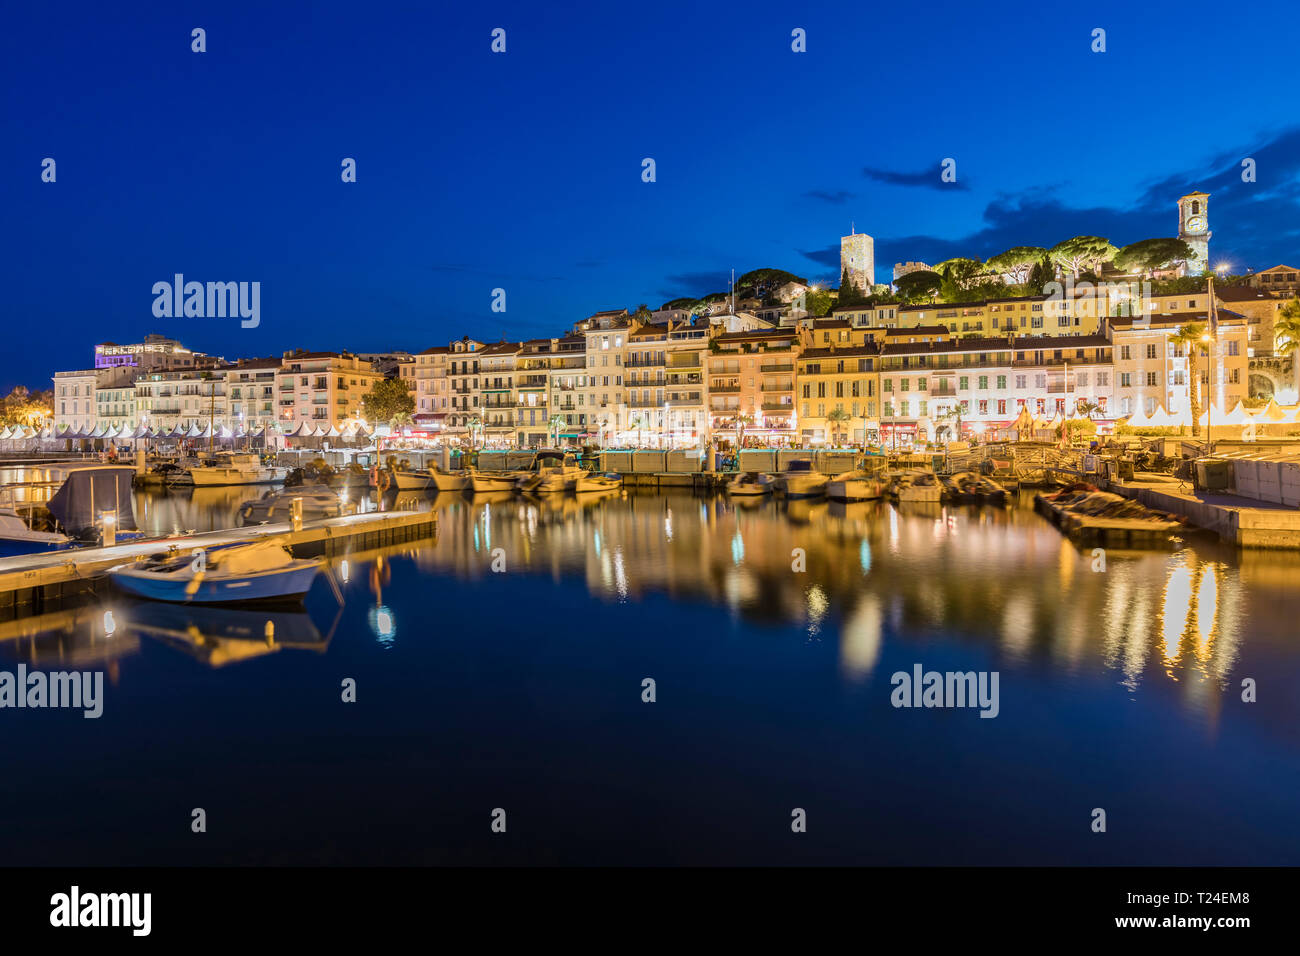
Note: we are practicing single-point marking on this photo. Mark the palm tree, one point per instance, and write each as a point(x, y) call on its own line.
point(475, 424)
point(1088, 408)
point(837, 417)
point(1286, 336)
point(1189, 336)
point(400, 420)
point(741, 422)
point(638, 422)
point(556, 423)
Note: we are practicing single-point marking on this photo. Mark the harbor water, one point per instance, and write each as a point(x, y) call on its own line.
point(503, 671)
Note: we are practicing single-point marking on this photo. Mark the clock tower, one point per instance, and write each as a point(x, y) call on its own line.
point(1194, 229)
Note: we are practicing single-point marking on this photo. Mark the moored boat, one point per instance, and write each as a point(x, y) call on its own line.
point(551, 472)
point(229, 468)
point(801, 480)
point(318, 501)
point(242, 573)
point(17, 538)
point(590, 482)
point(855, 486)
point(749, 484)
point(484, 482)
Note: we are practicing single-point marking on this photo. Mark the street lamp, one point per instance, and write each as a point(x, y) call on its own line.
point(1209, 383)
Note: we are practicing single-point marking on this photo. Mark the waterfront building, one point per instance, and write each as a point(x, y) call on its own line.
point(463, 379)
point(566, 382)
point(497, 366)
point(1151, 369)
point(426, 377)
point(685, 391)
point(325, 389)
point(838, 377)
point(74, 400)
point(251, 387)
point(602, 399)
point(115, 406)
point(645, 366)
point(751, 380)
point(189, 397)
point(156, 351)
point(533, 394)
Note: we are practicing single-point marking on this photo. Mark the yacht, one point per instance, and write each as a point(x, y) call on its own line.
point(229, 468)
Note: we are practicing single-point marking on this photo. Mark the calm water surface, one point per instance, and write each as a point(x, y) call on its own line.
point(521, 689)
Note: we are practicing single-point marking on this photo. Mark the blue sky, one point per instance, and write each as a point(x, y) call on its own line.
point(523, 170)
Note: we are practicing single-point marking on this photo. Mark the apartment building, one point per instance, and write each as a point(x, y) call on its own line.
point(603, 396)
point(74, 400)
point(566, 383)
point(751, 377)
point(427, 378)
point(645, 365)
point(1284, 279)
point(1151, 368)
point(463, 382)
point(115, 406)
point(155, 352)
point(323, 389)
point(190, 397)
point(838, 378)
point(251, 388)
point(533, 393)
point(497, 387)
point(685, 391)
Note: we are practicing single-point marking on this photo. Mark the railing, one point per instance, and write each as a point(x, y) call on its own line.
point(780, 387)
point(778, 407)
point(776, 368)
point(724, 389)
point(643, 363)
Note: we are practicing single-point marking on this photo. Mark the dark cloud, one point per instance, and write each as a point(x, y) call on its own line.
point(1254, 225)
point(924, 179)
point(836, 198)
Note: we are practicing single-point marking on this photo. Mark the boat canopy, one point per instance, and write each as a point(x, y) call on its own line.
point(253, 558)
point(88, 492)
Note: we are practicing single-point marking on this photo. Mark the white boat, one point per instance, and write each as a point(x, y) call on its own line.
point(589, 482)
point(258, 571)
point(801, 480)
point(484, 482)
point(855, 486)
point(448, 480)
point(551, 472)
point(229, 468)
point(16, 538)
point(920, 487)
point(750, 484)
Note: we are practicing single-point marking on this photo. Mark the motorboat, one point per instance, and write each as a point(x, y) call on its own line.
point(918, 486)
point(801, 480)
point(229, 468)
point(750, 484)
point(241, 573)
point(318, 501)
point(16, 537)
point(91, 499)
point(483, 482)
point(855, 486)
point(551, 472)
point(589, 482)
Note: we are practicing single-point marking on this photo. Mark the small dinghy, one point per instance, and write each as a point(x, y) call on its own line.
point(17, 538)
point(239, 573)
point(586, 483)
point(750, 484)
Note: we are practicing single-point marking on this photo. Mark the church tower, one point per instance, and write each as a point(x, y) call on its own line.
point(858, 260)
point(1194, 229)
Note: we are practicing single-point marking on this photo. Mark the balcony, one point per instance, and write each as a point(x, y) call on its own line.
point(943, 391)
point(643, 363)
point(777, 407)
point(778, 387)
point(776, 368)
point(724, 389)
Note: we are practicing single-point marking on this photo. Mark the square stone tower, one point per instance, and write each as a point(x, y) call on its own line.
point(858, 259)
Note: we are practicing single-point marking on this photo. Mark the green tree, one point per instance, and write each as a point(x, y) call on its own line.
point(919, 285)
point(642, 312)
point(818, 302)
point(1017, 262)
point(838, 419)
point(1286, 336)
point(1041, 274)
point(388, 398)
point(556, 423)
point(763, 283)
point(1148, 255)
point(1080, 252)
point(850, 295)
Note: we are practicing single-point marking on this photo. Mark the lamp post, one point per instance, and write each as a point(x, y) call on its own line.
point(1209, 388)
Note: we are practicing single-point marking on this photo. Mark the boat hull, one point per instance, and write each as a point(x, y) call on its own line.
point(283, 584)
point(18, 547)
point(483, 484)
point(854, 489)
point(801, 487)
point(446, 482)
point(224, 477)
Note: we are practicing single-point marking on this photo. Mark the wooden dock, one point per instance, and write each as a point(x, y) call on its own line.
point(30, 583)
